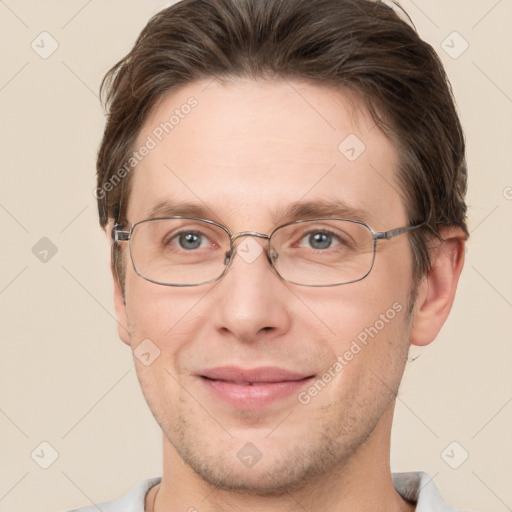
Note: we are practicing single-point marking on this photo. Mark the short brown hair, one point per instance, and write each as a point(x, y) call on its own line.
point(360, 45)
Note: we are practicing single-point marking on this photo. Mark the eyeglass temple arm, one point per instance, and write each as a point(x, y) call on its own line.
point(120, 235)
point(387, 235)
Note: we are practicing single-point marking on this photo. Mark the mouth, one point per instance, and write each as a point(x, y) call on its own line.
point(252, 388)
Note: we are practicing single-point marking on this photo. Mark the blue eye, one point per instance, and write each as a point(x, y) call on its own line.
point(320, 240)
point(189, 241)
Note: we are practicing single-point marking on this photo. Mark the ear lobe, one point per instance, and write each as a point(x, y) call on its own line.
point(437, 290)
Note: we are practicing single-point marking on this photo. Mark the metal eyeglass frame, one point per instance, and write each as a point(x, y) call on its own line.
point(122, 235)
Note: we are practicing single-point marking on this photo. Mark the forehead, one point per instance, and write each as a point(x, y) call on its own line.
point(247, 150)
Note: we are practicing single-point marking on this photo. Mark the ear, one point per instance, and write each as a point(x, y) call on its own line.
point(437, 290)
point(119, 301)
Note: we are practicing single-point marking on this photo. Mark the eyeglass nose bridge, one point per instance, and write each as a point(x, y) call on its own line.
point(228, 258)
point(249, 233)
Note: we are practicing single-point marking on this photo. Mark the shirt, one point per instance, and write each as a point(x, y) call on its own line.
point(415, 486)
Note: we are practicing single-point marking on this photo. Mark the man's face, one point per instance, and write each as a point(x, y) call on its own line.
point(245, 153)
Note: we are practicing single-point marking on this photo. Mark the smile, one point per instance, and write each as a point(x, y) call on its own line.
point(254, 388)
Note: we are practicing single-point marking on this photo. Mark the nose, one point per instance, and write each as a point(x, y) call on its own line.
point(251, 298)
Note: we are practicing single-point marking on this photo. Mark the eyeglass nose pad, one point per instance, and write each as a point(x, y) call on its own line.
point(227, 257)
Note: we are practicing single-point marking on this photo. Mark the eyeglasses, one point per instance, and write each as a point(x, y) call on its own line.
point(182, 251)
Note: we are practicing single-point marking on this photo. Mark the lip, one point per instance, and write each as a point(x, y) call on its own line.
point(252, 388)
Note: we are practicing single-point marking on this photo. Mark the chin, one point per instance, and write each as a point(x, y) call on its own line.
point(268, 480)
point(279, 470)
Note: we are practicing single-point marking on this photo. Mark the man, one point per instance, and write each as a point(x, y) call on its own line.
point(283, 186)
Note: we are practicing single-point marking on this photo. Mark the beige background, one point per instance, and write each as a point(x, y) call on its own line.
point(67, 380)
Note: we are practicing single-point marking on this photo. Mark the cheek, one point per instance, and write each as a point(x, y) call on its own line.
point(161, 326)
point(164, 322)
point(368, 324)
point(378, 302)
point(371, 334)
point(157, 311)
point(369, 356)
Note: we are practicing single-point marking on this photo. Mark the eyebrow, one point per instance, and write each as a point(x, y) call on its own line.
point(330, 208)
point(183, 209)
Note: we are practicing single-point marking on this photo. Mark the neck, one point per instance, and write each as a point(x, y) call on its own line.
point(363, 482)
